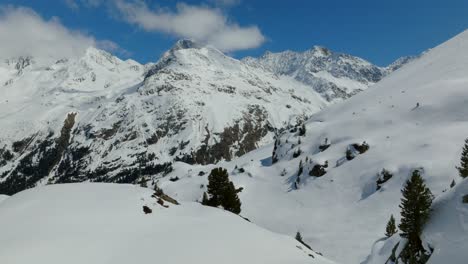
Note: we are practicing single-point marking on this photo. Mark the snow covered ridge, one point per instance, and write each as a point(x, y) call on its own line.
point(105, 223)
point(333, 75)
point(329, 183)
point(100, 118)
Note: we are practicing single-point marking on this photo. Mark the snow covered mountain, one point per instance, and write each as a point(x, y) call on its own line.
point(102, 119)
point(328, 183)
point(333, 75)
point(105, 223)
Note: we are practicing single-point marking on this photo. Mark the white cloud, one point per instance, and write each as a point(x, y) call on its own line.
point(202, 23)
point(24, 33)
point(112, 47)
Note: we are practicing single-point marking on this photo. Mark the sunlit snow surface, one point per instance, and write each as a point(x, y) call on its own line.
point(105, 223)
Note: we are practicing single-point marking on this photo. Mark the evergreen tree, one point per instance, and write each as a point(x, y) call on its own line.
point(463, 168)
point(230, 201)
point(391, 227)
point(452, 184)
point(205, 200)
point(415, 208)
point(143, 183)
point(301, 168)
point(299, 236)
point(222, 191)
point(302, 130)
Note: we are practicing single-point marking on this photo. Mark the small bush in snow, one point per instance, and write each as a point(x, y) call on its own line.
point(318, 170)
point(174, 179)
point(383, 177)
point(361, 148)
point(147, 210)
point(465, 199)
point(349, 154)
point(297, 153)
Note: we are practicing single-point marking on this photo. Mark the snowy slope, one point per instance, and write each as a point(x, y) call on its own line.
point(334, 75)
point(446, 232)
point(341, 214)
point(105, 223)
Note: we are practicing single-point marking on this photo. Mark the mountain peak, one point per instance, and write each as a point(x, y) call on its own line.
point(186, 44)
point(321, 50)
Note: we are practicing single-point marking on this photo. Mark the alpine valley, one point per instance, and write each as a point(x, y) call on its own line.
point(318, 144)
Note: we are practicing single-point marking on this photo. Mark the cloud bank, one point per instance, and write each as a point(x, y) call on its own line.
point(24, 33)
point(202, 23)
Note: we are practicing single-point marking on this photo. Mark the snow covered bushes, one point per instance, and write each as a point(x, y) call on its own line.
point(383, 177)
point(319, 170)
point(147, 210)
point(361, 148)
point(222, 192)
point(355, 149)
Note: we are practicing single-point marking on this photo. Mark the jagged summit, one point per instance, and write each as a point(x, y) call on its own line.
point(335, 76)
point(186, 44)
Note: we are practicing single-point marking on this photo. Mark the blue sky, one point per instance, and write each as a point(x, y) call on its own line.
point(379, 31)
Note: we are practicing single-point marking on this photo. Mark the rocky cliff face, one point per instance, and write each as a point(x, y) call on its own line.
point(335, 76)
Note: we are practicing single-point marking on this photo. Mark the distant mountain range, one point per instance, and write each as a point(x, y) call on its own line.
point(102, 119)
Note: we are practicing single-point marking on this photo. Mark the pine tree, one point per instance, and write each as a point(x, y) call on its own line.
point(299, 236)
point(463, 168)
point(301, 169)
point(415, 208)
point(230, 200)
point(205, 200)
point(143, 183)
point(452, 184)
point(299, 239)
point(391, 227)
point(222, 191)
point(302, 130)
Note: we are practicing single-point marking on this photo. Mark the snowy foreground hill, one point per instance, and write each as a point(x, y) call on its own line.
point(416, 118)
point(105, 223)
point(100, 118)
